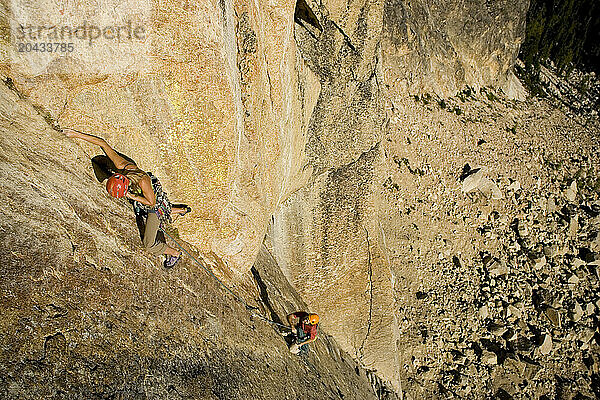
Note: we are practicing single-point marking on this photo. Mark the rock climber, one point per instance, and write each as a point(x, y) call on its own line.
point(305, 327)
point(126, 179)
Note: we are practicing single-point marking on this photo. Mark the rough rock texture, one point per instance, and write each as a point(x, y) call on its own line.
point(328, 244)
point(220, 114)
point(87, 314)
point(292, 120)
point(323, 235)
point(474, 300)
point(237, 102)
point(441, 46)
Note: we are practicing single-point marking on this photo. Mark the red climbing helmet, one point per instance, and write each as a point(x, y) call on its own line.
point(117, 185)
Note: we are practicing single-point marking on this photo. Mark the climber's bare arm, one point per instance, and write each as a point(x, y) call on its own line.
point(119, 161)
point(292, 320)
point(307, 341)
point(149, 197)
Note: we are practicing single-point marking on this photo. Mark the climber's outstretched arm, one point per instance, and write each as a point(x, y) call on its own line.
point(119, 161)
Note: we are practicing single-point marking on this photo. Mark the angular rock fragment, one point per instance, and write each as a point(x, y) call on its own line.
point(478, 182)
point(553, 316)
point(590, 308)
point(522, 228)
point(497, 268)
point(484, 312)
point(539, 262)
point(573, 226)
point(551, 206)
point(514, 311)
point(576, 313)
point(573, 280)
point(577, 262)
point(514, 186)
point(587, 335)
point(489, 358)
point(546, 346)
point(571, 192)
point(551, 250)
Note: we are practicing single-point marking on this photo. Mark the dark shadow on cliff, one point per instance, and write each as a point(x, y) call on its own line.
point(303, 13)
point(264, 295)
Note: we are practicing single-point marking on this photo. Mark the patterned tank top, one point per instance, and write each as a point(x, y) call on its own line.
point(162, 208)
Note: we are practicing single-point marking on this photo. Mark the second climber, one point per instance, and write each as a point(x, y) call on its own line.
point(304, 328)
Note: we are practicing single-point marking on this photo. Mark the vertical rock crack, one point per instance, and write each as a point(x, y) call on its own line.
point(370, 273)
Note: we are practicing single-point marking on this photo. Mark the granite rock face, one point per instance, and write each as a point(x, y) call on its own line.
point(330, 236)
point(442, 46)
point(218, 110)
point(237, 103)
point(86, 313)
point(271, 119)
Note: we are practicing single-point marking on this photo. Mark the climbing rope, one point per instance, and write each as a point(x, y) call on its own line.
point(250, 308)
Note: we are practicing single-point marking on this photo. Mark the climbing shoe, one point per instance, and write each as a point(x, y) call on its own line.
point(171, 261)
point(188, 209)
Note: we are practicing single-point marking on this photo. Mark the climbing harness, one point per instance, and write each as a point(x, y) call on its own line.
point(162, 208)
point(250, 308)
